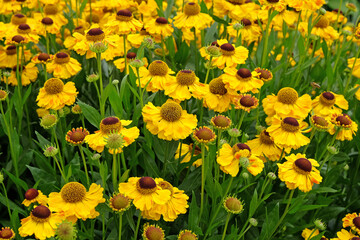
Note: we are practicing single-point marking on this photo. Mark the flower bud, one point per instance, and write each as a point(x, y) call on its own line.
point(213, 51)
point(7, 74)
point(271, 176)
point(351, 7)
point(137, 63)
point(245, 175)
point(333, 150)
point(92, 77)
point(115, 82)
point(149, 42)
point(322, 11)
point(346, 167)
point(1, 177)
point(253, 222)
point(234, 132)
point(50, 151)
point(95, 157)
point(244, 162)
point(320, 225)
point(99, 47)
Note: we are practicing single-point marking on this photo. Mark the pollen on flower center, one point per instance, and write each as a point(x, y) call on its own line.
point(50, 9)
point(18, 19)
point(290, 124)
point(204, 134)
point(110, 124)
point(40, 213)
point(171, 111)
point(61, 58)
point(221, 121)
point(146, 185)
point(217, 86)
point(343, 120)
point(323, 22)
point(303, 164)
point(327, 99)
point(265, 138)
point(73, 192)
point(47, 21)
point(287, 95)
point(161, 20)
point(158, 68)
point(243, 74)
point(185, 77)
point(247, 101)
point(54, 86)
point(227, 49)
point(120, 202)
point(95, 35)
point(31, 194)
point(23, 28)
point(191, 9)
point(124, 15)
point(11, 50)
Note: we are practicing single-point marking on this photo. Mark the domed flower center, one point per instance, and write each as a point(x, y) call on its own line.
point(158, 68)
point(73, 192)
point(124, 15)
point(11, 50)
point(355, 238)
point(31, 194)
point(54, 86)
point(171, 111)
point(221, 121)
point(3, 95)
point(287, 95)
point(290, 124)
point(62, 58)
point(240, 146)
point(243, 74)
point(227, 49)
point(161, 20)
point(131, 55)
point(23, 28)
point(191, 9)
point(217, 86)
point(43, 57)
point(204, 134)
point(120, 202)
point(265, 75)
point(154, 233)
point(233, 205)
point(50, 9)
point(80, 29)
point(6, 233)
point(166, 185)
point(236, 2)
point(18, 19)
point(323, 22)
point(187, 235)
point(265, 138)
point(214, 43)
point(94, 18)
point(40, 214)
point(303, 165)
point(246, 22)
point(146, 185)
point(47, 21)
point(95, 35)
point(320, 121)
point(356, 222)
point(343, 120)
point(76, 136)
point(18, 38)
point(272, 1)
point(185, 77)
point(110, 124)
point(327, 99)
point(247, 101)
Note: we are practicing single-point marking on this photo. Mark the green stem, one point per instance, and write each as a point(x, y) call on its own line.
point(85, 167)
point(243, 233)
point(313, 231)
point(311, 137)
point(61, 171)
point(19, 86)
point(226, 225)
point(266, 41)
point(241, 119)
point(58, 146)
point(203, 178)
point(163, 48)
point(165, 158)
point(114, 172)
point(217, 168)
point(102, 103)
point(7, 204)
point(140, 92)
point(123, 161)
point(137, 227)
point(351, 72)
point(195, 52)
point(120, 225)
point(208, 70)
point(47, 42)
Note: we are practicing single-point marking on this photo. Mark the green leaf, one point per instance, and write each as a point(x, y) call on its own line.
point(253, 203)
point(12, 205)
point(17, 181)
point(90, 113)
point(270, 222)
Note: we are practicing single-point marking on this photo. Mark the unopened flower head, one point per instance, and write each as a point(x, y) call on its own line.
point(271, 176)
point(234, 132)
point(66, 231)
point(233, 205)
point(320, 224)
point(96, 156)
point(50, 151)
point(149, 42)
point(115, 82)
point(253, 222)
point(137, 63)
point(92, 77)
point(213, 51)
point(238, 26)
point(48, 121)
point(99, 47)
point(351, 7)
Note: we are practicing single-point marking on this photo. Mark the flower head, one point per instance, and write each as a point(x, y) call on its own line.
point(204, 135)
point(153, 232)
point(76, 136)
point(66, 230)
point(233, 205)
point(119, 203)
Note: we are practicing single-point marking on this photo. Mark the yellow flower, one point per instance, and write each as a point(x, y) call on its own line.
point(231, 55)
point(307, 232)
point(153, 232)
point(186, 151)
point(324, 105)
point(192, 17)
point(63, 66)
point(42, 58)
point(33, 195)
point(7, 233)
point(110, 125)
point(220, 122)
point(230, 159)
point(346, 127)
point(322, 29)
point(286, 133)
point(76, 136)
point(249, 33)
point(356, 69)
point(345, 235)
point(169, 122)
point(235, 9)
point(333, 17)
point(241, 80)
point(277, 5)
point(159, 27)
point(145, 192)
point(320, 123)
point(41, 222)
point(119, 203)
point(303, 5)
point(28, 75)
point(26, 31)
point(46, 25)
point(246, 102)
point(217, 97)
point(8, 56)
point(357, 94)
point(55, 94)
point(184, 86)
point(74, 201)
point(352, 220)
point(299, 172)
point(130, 56)
point(156, 76)
point(123, 23)
point(137, 38)
point(263, 146)
point(7, 7)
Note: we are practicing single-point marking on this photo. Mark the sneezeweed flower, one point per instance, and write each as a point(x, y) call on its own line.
point(220, 122)
point(233, 205)
point(66, 230)
point(153, 232)
point(48, 121)
point(50, 151)
point(159, 27)
point(28, 73)
point(47, 25)
point(145, 192)
point(76, 109)
point(186, 151)
point(63, 66)
point(170, 121)
point(131, 62)
point(191, 17)
point(352, 220)
point(7, 233)
point(119, 203)
point(114, 142)
point(8, 57)
point(322, 28)
point(343, 126)
point(156, 76)
point(319, 123)
point(277, 5)
point(3, 95)
point(41, 223)
point(263, 146)
point(286, 133)
point(303, 5)
point(33, 195)
point(345, 235)
point(75, 202)
point(320, 224)
point(218, 97)
point(137, 38)
point(76, 136)
point(242, 80)
point(123, 23)
point(352, 7)
point(264, 75)
point(187, 235)
point(111, 125)
point(231, 159)
point(184, 86)
point(299, 172)
point(313, 232)
point(287, 103)
point(249, 31)
point(55, 94)
point(329, 103)
point(246, 102)
point(204, 135)
point(231, 55)
point(42, 58)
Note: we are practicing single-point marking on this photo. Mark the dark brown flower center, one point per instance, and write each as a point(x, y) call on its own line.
point(327, 99)
point(43, 57)
point(147, 183)
point(240, 146)
point(41, 212)
point(31, 194)
point(80, 29)
point(356, 222)
point(95, 35)
point(320, 121)
point(217, 86)
point(214, 43)
point(273, 1)
point(265, 138)
point(343, 120)
point(247, 101)
point(47, 21)
point(161, 20)
point(303, 164)
point(246, 22)
point(124, 15)
point(110, 124)
point(227, 49)
point(131, 55)
point(18, 38)
point(290, 124)
point(11, 50)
